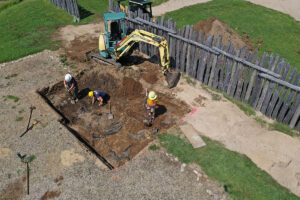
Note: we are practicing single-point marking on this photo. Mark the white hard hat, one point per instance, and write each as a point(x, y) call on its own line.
point(68, 77)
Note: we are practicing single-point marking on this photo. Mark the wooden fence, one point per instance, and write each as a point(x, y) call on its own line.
point(267, 83)
point(68, 5)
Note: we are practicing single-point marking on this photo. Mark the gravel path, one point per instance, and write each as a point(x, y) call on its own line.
point(290, 7)
point(172, 5)
point(63, 167)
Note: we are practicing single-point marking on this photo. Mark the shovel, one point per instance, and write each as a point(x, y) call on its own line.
point(110, 116)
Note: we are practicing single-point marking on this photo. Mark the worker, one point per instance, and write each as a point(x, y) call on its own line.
point(98, 95)
point(151, 105)
point(71, 86)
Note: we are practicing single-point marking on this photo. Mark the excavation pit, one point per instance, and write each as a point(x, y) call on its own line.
point(115, 141)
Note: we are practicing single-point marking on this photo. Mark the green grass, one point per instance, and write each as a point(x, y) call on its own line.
point(11, 76)
point(14, 98)
point(262, 122)
point(283, 128)
point(26, 28)
point(154, 147)
point(19, 119)
point(245, 108)
point(92, 10)
point(21, 111)
point(241, 178)
point(279, 32)
point(7, 4)
point(189, 80)
point(13, 107)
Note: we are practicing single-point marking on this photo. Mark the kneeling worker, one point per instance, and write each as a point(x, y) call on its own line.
point(97, 95)
point(71, 86)
point(151, 104)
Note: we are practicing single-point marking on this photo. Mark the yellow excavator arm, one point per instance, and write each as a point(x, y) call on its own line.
point(143, 36)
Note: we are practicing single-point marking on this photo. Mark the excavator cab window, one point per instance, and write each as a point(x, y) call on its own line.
point(115, 31)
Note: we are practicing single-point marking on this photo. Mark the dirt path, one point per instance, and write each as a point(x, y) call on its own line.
point(172, 5)
point(290, 7)
point(272, 151)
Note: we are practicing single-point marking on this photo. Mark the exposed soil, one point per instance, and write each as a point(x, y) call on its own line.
point(14, 190)
point(127, 98)
point(214, 26)
point(51, 195)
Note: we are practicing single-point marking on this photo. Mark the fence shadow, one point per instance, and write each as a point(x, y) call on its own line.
point(84, 13)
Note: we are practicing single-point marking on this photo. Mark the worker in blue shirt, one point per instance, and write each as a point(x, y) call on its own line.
point(98, 95)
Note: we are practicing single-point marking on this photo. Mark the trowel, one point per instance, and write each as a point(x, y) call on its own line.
point(110, 116)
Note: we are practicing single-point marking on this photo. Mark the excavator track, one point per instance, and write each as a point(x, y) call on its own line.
point(90, 55)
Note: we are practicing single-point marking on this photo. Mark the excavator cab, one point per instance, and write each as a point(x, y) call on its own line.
point(115, 44)
point(114, 32)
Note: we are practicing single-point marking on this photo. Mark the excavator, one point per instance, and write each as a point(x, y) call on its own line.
point(115, 44)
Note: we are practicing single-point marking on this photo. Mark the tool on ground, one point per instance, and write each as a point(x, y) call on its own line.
point(115, 44)
point(34, 123)
point(31, 110)
point(20, 156)
point(110, 116)
point(27, 160)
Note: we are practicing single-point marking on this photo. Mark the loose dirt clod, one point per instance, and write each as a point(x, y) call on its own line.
point(51, 195)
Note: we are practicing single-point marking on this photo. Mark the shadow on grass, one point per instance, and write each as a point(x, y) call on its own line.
point(84, 13)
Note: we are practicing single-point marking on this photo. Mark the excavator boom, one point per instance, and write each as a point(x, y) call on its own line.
point(143, 36)
point(149, 38)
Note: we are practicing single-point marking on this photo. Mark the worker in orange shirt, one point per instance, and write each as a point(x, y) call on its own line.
point(151, 105)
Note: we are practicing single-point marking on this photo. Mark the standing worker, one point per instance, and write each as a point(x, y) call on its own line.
point(98, 95)
point(71, 86)
point(151, 104)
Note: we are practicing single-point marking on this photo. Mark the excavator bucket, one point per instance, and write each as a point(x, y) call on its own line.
point(172, 78)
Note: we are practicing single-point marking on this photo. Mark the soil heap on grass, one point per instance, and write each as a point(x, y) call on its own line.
point(215, 27)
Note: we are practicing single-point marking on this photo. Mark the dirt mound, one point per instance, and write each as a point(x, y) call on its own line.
point(215, 27)
point(131, 88)
point(79, 48)
point(150, 77)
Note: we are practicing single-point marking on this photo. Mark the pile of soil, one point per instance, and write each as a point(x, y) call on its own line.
point(150, 77)
point(214, 26)
point(127, 98)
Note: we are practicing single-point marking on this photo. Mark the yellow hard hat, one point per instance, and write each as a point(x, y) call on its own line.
point(152, 95)
point(91, 94)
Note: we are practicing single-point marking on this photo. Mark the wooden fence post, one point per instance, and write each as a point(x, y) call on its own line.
point(183, 50)
point(266, 86)
point(270, 88)
point(203, 59)
point(295, 117)
point(281, 99)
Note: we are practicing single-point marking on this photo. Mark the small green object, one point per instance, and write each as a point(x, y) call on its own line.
point(16, 99)
point(13, 107)
point(19, 119)
point(154, 147)
point(21, 111)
